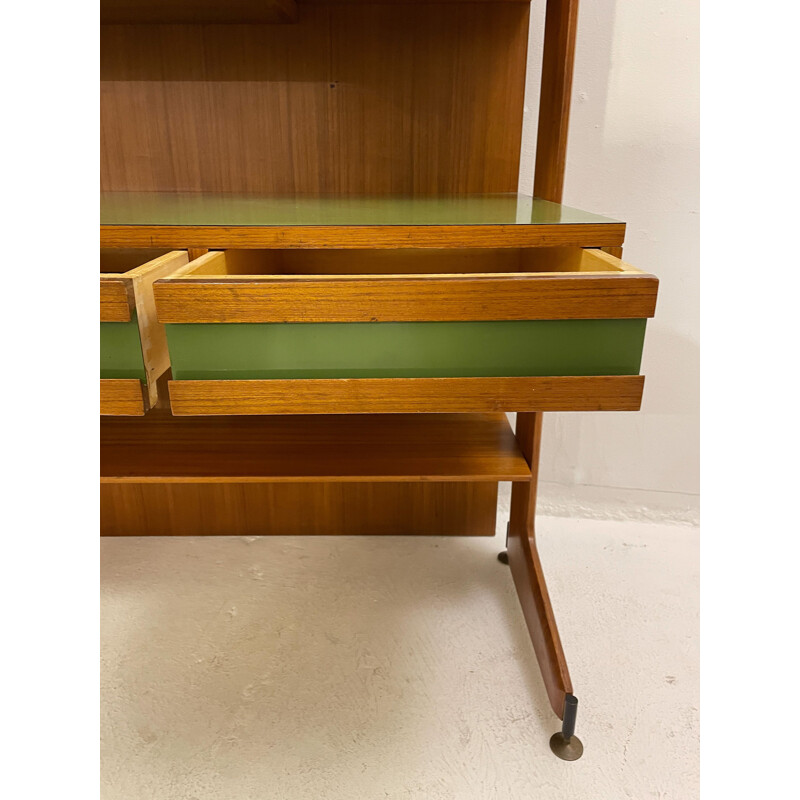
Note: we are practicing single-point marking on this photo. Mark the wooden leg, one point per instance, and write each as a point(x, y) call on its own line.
point(526, 569)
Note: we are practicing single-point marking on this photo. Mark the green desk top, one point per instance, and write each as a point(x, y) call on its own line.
point(196, 208)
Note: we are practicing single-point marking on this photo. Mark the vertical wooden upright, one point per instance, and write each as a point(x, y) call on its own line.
point(558, 58)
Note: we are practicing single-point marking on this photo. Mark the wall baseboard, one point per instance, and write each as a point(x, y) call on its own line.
point(608, 502)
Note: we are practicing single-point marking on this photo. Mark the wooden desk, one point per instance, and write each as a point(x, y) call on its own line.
point(320, 289)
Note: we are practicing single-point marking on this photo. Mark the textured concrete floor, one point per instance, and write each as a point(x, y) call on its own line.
point(360, 668)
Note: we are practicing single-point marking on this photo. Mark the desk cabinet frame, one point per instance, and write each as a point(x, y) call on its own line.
point(427, 140)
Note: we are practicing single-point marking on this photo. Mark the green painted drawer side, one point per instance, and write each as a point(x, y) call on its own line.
point(121, 350)
point(405, 349)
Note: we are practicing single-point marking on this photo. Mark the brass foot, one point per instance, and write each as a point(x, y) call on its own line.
point(566, 749)
point(565, 744)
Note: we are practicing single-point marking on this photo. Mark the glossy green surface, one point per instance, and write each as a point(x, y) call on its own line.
point(121, 350)
point(405, 349)
point(196, 208)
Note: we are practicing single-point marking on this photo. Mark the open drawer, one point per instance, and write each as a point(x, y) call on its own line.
point(344, 331)
point(133, 347)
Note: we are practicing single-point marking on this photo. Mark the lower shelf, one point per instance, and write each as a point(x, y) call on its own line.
point(161, 448)
point(385, 474)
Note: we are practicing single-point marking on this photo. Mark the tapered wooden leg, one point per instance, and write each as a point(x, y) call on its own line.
point(526, 569)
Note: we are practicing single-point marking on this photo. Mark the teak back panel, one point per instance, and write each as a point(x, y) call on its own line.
point(352, 99)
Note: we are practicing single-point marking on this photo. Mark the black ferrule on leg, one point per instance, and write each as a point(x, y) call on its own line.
point(565, 744)
point(570, 714)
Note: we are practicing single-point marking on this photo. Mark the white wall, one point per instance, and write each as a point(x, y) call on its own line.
point(634, 155)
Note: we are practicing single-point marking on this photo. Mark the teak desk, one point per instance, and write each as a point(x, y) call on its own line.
point(320, 290)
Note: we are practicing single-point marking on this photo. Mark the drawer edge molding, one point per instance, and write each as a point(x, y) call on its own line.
point(407, 299)
point(406, 395)
point(122, 397)
point(359, 237)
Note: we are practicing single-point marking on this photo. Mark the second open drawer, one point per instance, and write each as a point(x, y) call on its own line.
point(133, 348)
point(305, 331)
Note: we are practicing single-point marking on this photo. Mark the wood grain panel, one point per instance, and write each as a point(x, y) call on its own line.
point(116, 299)
point(406, 395)
point(291, 509)
point(353, 99)
point(345, 237)
point(122, 396)
point(404, 299)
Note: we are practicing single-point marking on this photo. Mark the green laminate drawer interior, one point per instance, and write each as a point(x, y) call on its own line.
point(231, 209)
point(250, 351)
point(121, 350)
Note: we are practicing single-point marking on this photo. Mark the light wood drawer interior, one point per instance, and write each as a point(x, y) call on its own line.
point(422, 261)
point(259, 286)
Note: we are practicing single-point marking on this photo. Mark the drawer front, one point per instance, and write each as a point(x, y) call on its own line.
point(228, 318)
point(116, 299)
point(406, 299)
point(122, 397)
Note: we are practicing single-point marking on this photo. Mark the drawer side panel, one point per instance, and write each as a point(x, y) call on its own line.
point(121, 350)
point(406, 349)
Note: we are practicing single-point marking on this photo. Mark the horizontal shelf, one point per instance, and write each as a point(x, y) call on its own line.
point(160, 448)
point(196, 219)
